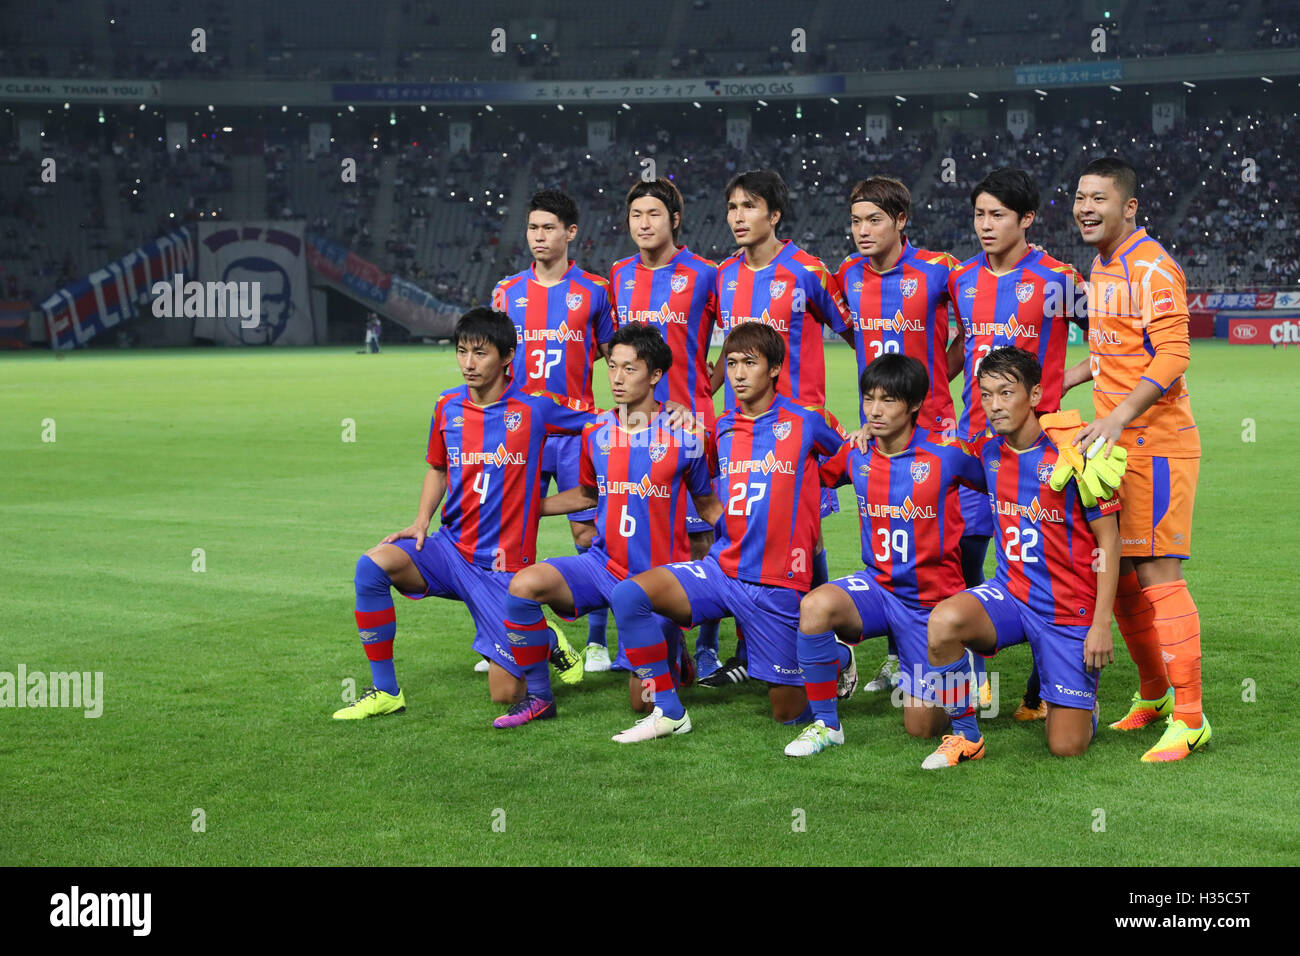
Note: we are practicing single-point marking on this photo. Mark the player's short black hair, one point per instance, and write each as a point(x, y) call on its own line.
point(757, 339)
point(559, 203)
point(1118, 170)
point(1014, 188)
point(666, 191)
point(1012, 363)
point(649, 344)
point(898, 376)
point(768, 185)
point(486, 325)
point(890, 194)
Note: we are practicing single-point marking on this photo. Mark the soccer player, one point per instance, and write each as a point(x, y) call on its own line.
point(897, 296)
point(1010, 294)
point(1058, 563)
point(774, 282)
point(675, 291)
point(638, 473)
point(1139, 352)
point(564, 321)
point(484, 456)
point(910, 518)
point(761, 565)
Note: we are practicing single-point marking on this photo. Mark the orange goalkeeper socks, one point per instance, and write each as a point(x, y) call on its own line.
point(1178, 627)
point(1135, 617)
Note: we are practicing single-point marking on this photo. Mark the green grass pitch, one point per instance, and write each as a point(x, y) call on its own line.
point(218, 686)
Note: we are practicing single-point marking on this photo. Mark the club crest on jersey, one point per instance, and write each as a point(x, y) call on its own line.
point(908, 288)
point(1024, 291)
point(780, 430)
point(776, 288)
point(1044, 472)
point(657, 451)
point(513, 421)
point(920, 471)
point(573, 300)
point(678, 283)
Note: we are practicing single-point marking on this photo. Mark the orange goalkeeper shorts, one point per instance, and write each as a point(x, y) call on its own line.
point(1157, 495)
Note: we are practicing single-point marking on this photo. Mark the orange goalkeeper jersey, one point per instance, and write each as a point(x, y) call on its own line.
point(1138, 329)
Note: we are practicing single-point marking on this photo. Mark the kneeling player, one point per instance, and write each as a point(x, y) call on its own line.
point(910, 517)
point(761, 563)
point(484, 455)
point(636, 472)
point(1058, 564)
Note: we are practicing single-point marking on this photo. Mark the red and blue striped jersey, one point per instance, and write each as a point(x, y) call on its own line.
point(795, 294)
point(1046, 548)
point(493, 457)
point(768, 482)
point(558, 328)
point(904, 309)
point(643, 479)
point(680, 299)
point(1027, 307)
point(909, 512)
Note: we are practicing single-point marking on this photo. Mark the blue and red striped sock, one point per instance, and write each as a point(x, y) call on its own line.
point(822, 658)
point(949, 685)
point(642, 634)
point(530, 642)
point(376, 622)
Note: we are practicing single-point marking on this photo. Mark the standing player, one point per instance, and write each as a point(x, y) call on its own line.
point(1058, 562)
point(675, 291)
point(898, 303)
point(1010, 295)
point(638, 473)
point(760, 565)
point(563, 319)
point(774, 282)
point(484, 455)
point(910, 517)
point(1139, 355)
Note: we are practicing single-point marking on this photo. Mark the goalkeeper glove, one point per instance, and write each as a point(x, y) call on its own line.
point(1102, 473)
point(1098, 476)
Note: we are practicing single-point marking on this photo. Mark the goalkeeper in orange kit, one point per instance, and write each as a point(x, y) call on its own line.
point(1139, 351)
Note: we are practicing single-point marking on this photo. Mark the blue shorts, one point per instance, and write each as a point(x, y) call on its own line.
point(560, 456)
point(830, 501)
point(694, 523)
point(976, 513)
point(591, 583)
point(484, 592)
point(1058, 648)
point(768, 615)
point(883, 613)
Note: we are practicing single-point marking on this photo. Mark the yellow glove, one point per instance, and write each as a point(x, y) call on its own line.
point(1102, 473)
